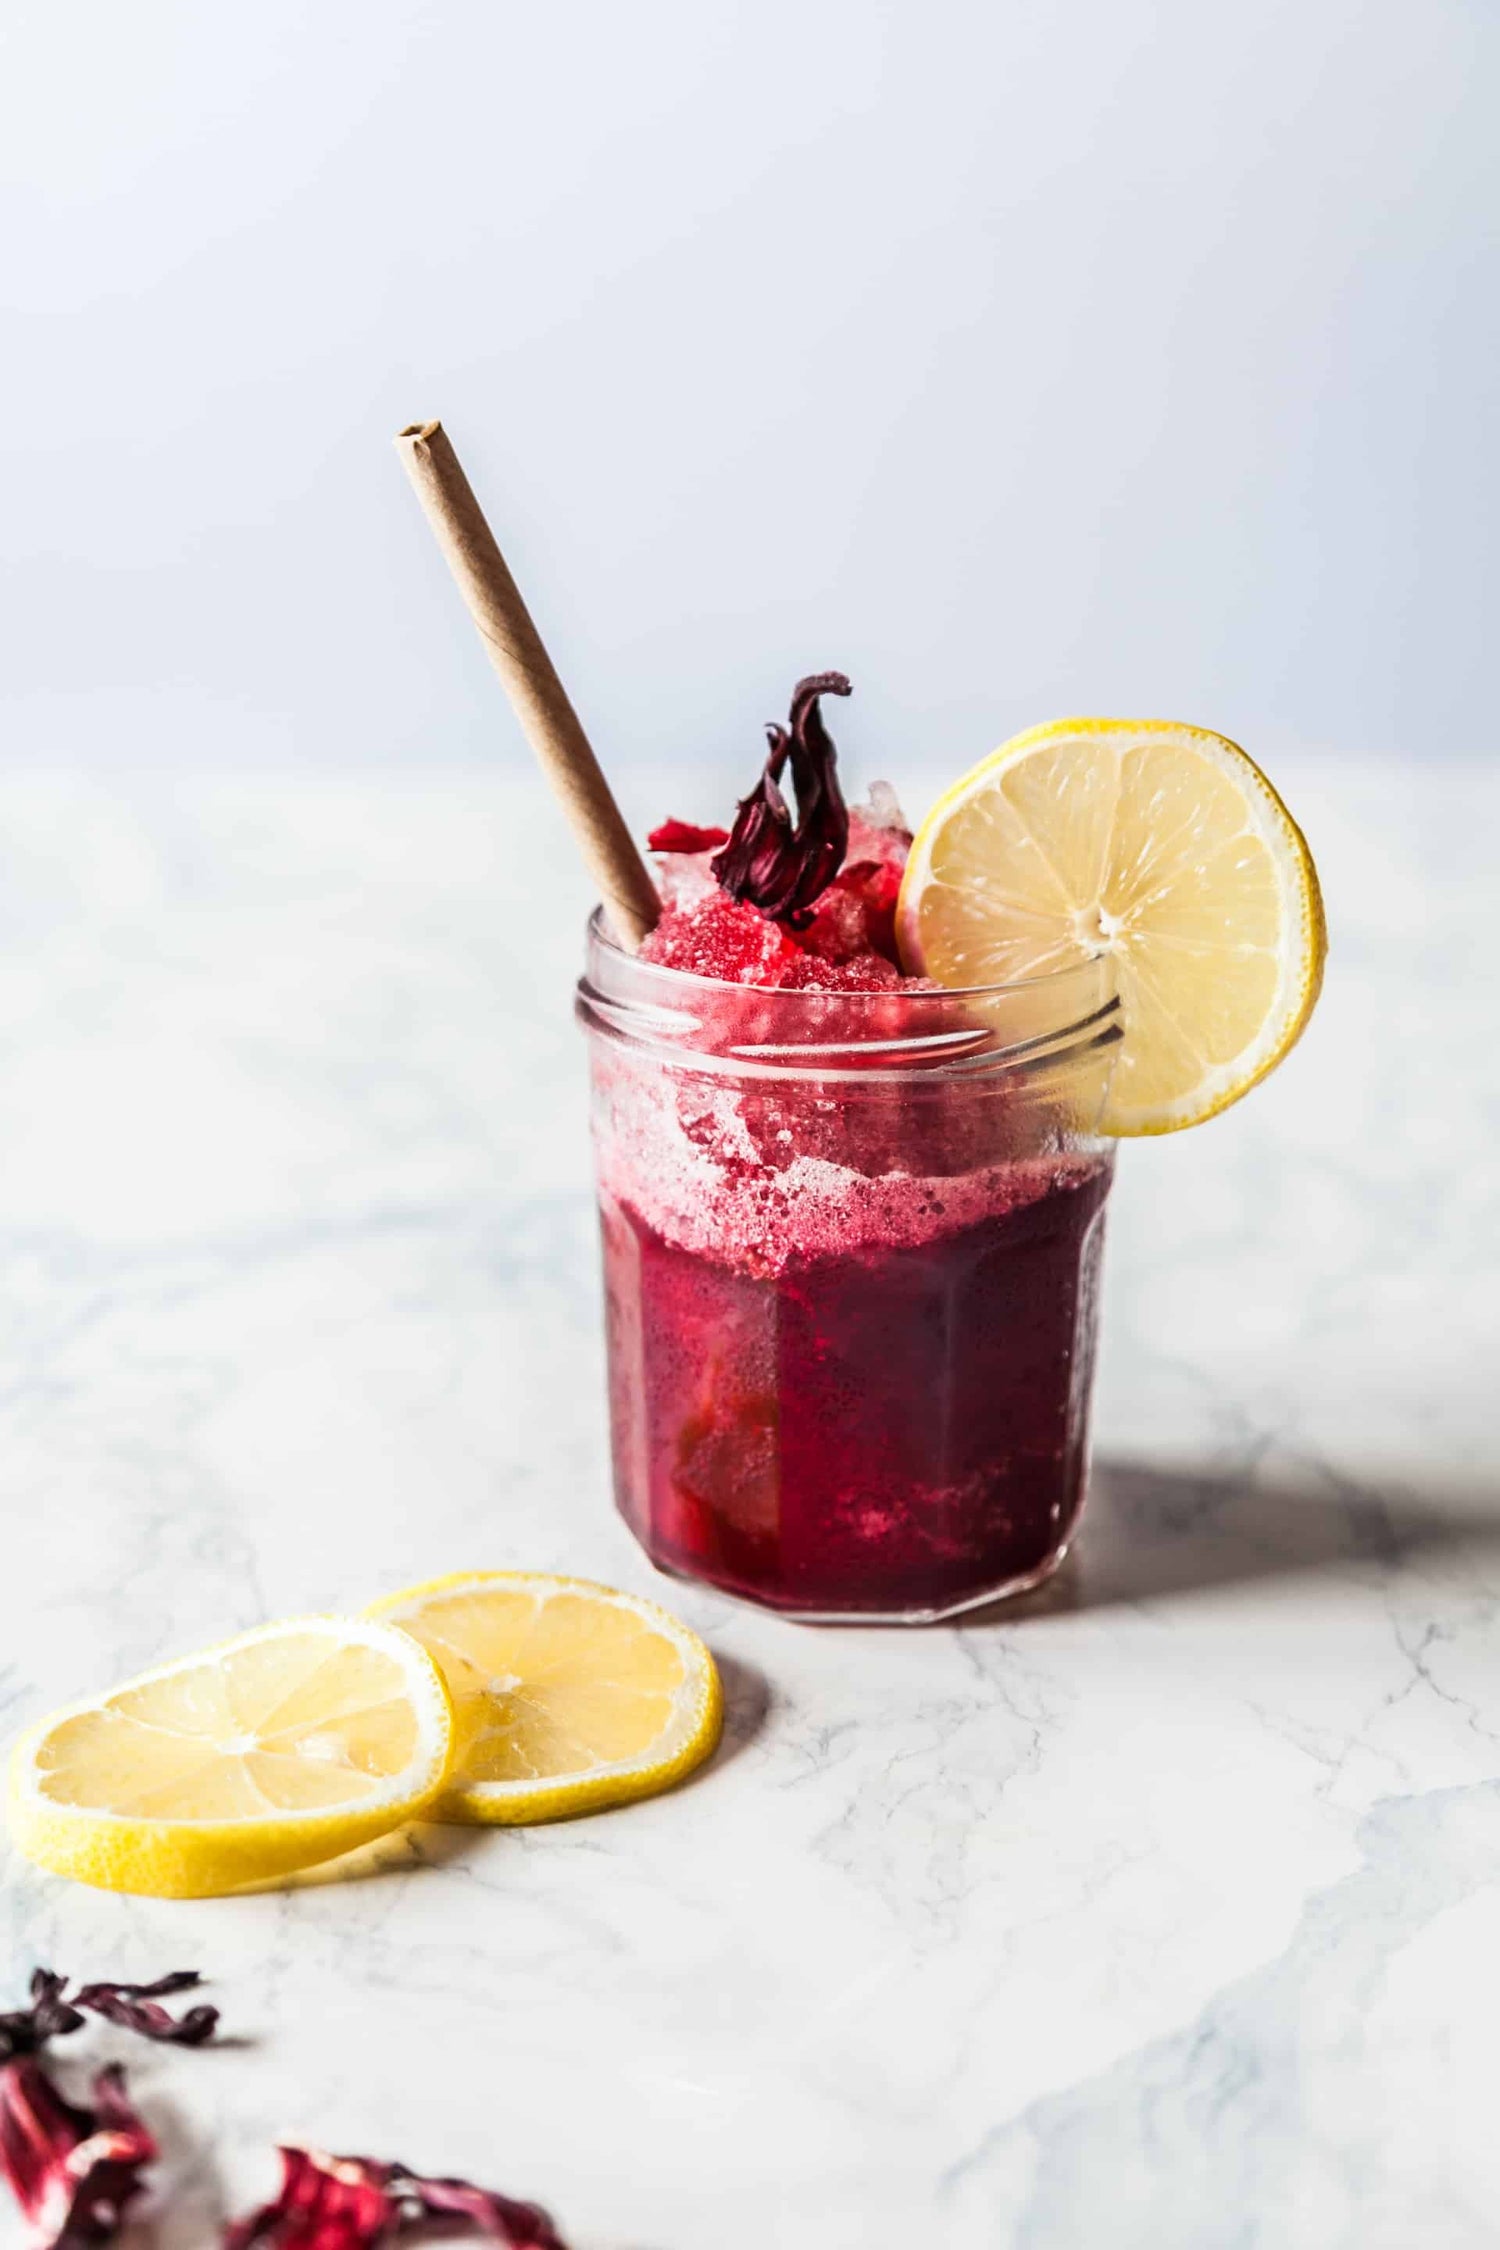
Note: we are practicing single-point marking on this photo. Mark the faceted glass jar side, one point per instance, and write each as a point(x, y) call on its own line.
point(851, 1262)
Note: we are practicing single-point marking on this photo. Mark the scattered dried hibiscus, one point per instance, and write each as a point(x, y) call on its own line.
point(54, 2012)
point(136, 2007)
point(74, 2170)
point(770, 861)
point(357, 2203)
point(25, 2031)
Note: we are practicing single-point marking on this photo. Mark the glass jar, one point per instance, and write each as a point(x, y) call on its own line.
point(851, 1263)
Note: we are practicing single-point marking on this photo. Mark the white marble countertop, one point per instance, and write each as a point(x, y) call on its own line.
point(1164, 1912)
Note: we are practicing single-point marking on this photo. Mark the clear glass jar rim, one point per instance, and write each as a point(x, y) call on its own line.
point(1031, 1025)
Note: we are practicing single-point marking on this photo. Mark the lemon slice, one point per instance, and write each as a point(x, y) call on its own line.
point(1162, 846)
point(567, 1696)
point(289, 1745)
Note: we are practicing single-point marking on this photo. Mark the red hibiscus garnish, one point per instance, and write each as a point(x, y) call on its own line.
point(358, 2203)
point(682, 836)
point(73, 2170)
point(770, 861)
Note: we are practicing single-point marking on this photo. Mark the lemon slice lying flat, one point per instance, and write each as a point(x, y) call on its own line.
point(1161, 845)
point(568, 1696)
point(287, 1746)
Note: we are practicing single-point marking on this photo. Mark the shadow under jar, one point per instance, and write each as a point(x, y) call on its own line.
point(851, 1265)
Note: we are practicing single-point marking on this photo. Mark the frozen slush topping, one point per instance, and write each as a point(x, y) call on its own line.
point(855, 918)
point(714, 935)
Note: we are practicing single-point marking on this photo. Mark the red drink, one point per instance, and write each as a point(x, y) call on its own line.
point(851, 1248)
point(893, 1432)
point(852, 1222)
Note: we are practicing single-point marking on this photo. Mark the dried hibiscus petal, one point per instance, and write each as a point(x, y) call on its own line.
point(136, 2007)
point(357, 2203)
point(24, 2030)
point(770, 861)
point(73, 2170)
point(525, 2226)
point(682, 836)
point(325, 2203)
point(53, 2013)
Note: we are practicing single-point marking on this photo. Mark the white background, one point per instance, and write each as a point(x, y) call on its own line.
point(1017, 358)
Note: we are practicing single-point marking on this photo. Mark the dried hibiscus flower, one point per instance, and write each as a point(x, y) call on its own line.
point(357, 2203)
point(54, 2012)
point(770, 861)
point(25, 2031)
point(73, 2170)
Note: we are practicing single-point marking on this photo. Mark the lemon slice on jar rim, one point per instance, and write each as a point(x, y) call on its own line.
point(1160, 845)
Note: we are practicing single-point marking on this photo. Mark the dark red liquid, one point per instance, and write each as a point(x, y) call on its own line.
point(892, 1430)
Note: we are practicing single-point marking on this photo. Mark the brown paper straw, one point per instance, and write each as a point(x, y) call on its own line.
point(537, 695)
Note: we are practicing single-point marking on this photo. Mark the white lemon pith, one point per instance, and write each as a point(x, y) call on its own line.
point(1165, 848)
point(290, 1745)
point(568, 1696)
